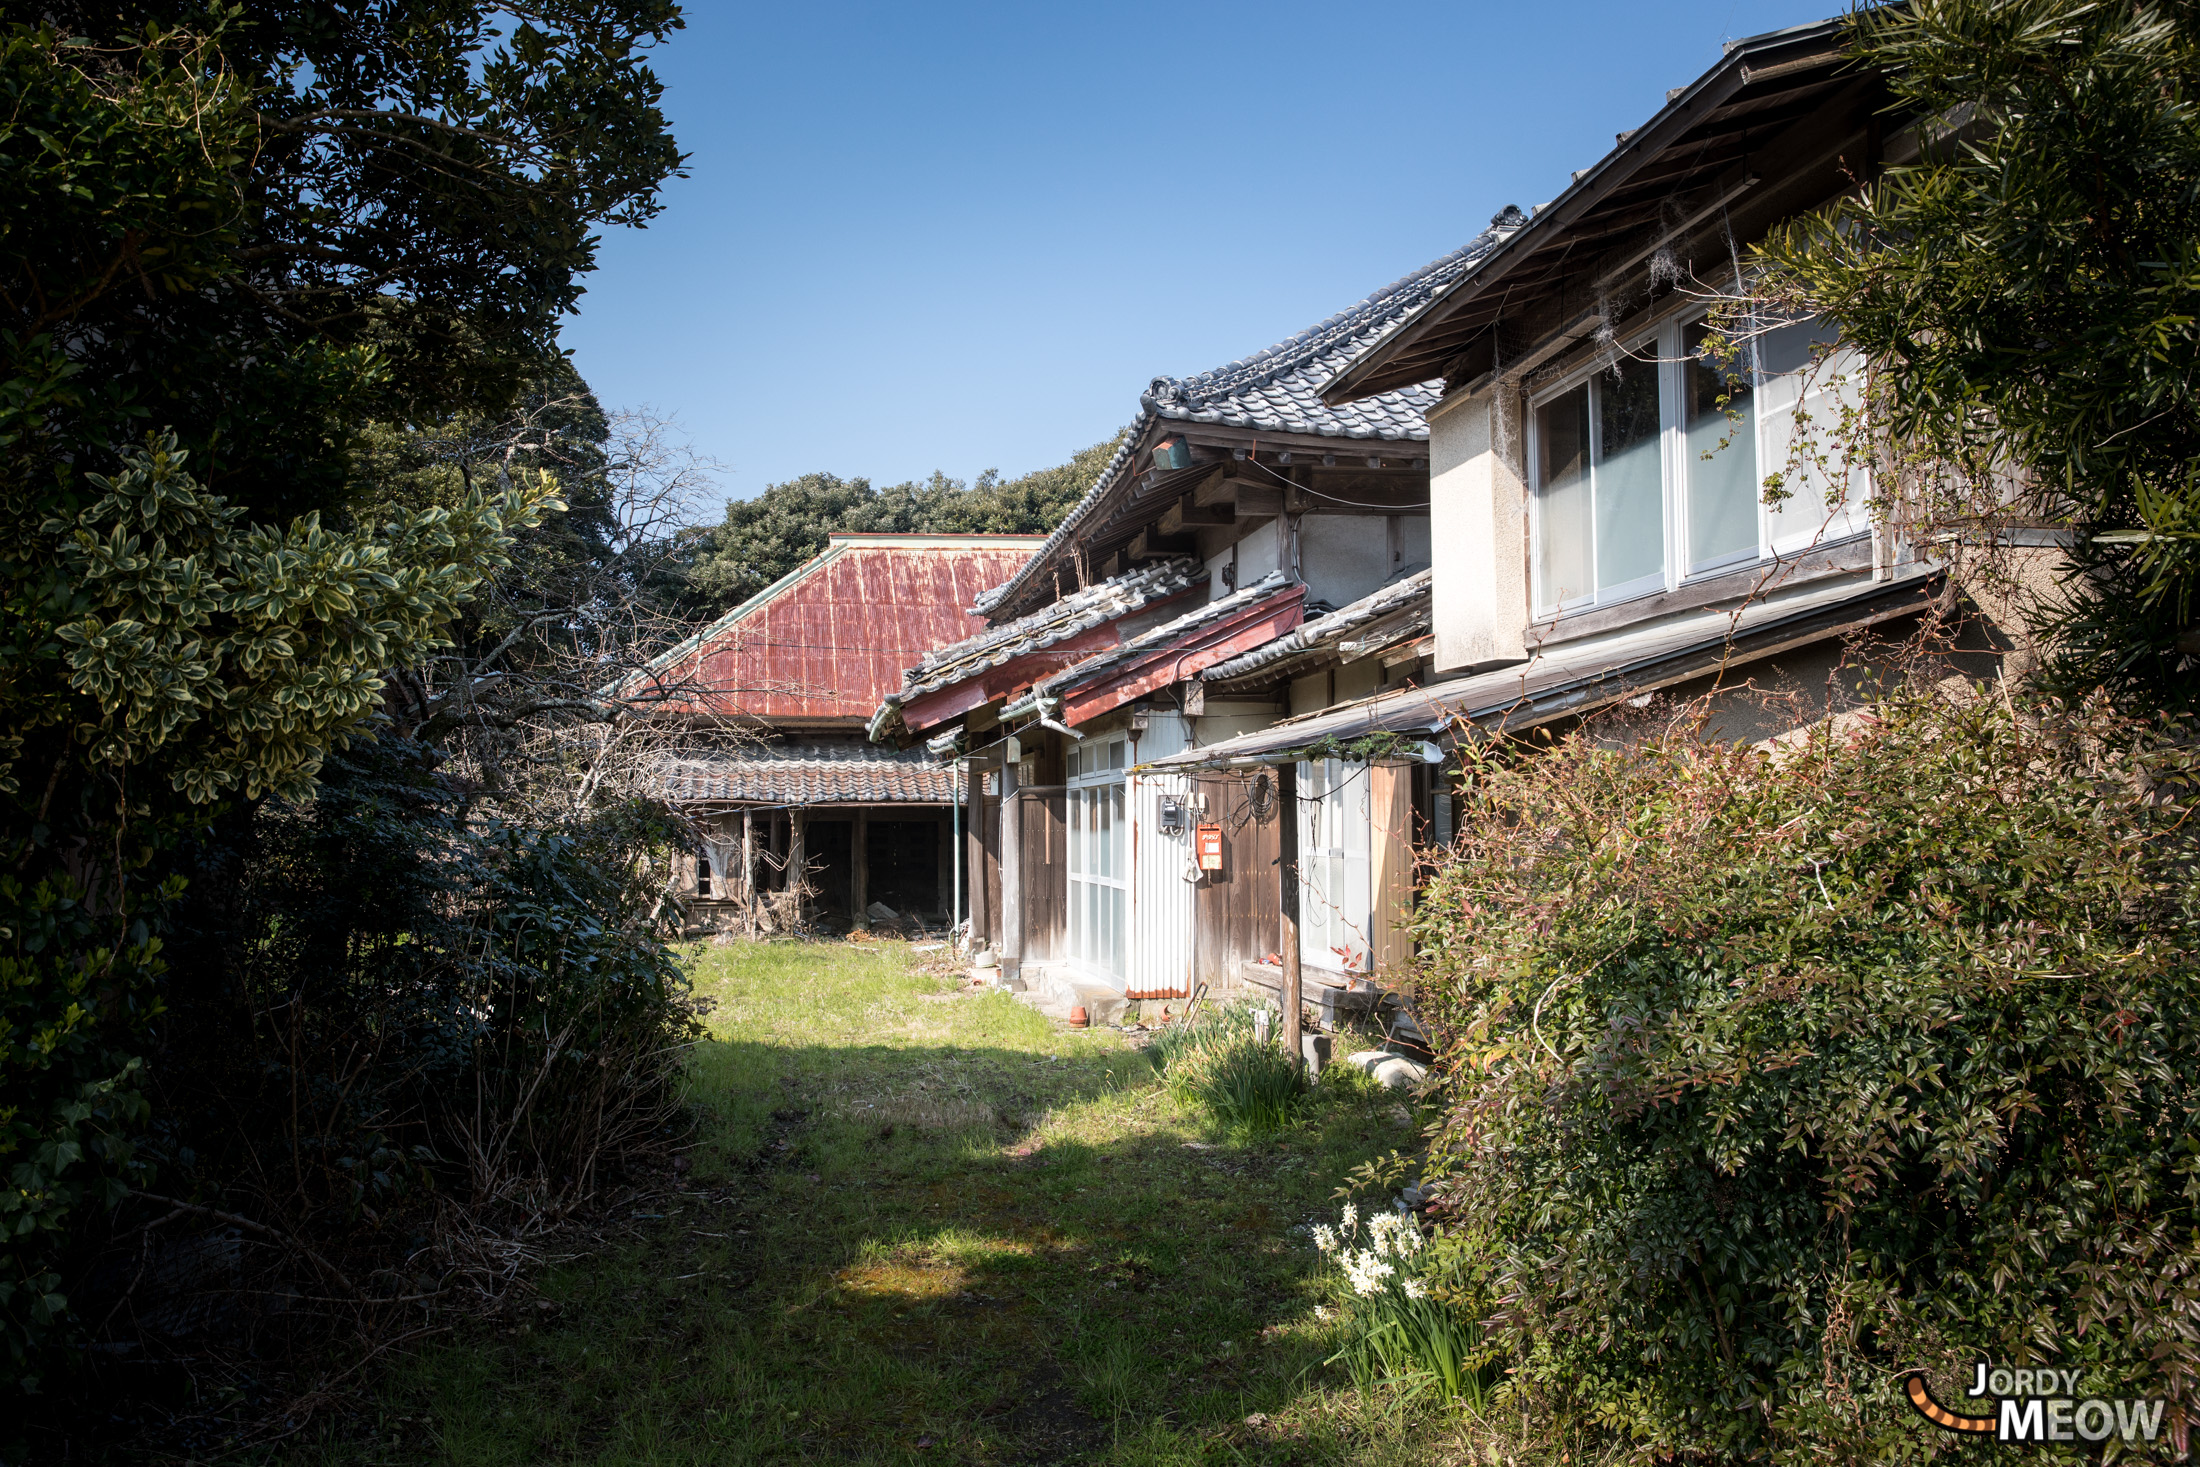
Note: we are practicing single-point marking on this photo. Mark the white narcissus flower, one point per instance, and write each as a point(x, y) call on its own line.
point(1325, 1237)
point(1415, 1289)
point(1366, 1271)
point(1351, 1217)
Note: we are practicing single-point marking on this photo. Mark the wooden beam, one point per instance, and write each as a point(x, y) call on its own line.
point(798, 860)
point(943, 887)
point(1149, 544)
point(859, 869)
point(1012, 876)
point(748, 866)
point(1287, 903)
point(1184, 515)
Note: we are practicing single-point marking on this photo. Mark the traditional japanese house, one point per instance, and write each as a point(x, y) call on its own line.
point(1600, 472)
point(803, 820)
point(1250, 551)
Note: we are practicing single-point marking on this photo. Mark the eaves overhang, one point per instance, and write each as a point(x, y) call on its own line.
point(1394, 362)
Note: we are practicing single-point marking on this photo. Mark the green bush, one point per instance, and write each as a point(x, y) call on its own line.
point(397, 997)
point(1770, 1076)
point(73, 982)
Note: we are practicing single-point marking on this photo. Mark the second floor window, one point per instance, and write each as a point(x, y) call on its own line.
point(1651, 470)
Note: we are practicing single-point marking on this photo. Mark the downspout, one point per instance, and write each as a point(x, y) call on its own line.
point(955, 850)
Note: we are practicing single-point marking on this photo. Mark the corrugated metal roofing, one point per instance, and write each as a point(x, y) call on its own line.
point(1578, 677)
point(830, 639)
point(811, 773)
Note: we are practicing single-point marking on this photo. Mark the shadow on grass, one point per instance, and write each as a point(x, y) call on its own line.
point(924, 1252)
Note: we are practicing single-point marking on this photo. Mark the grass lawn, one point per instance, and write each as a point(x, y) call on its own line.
point(928, 1227)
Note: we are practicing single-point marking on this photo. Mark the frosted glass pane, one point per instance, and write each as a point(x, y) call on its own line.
point(1121, 866)
point(1721, 458)
point(1562, 562)
point(1630, 476)
point(1802, 400)
point(1115, 931)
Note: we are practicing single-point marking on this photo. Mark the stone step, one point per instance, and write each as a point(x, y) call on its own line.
point(1055, 994)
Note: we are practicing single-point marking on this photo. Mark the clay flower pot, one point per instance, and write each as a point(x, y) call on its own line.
point(1078, 1018)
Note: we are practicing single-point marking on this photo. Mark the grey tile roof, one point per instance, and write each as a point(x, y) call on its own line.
point(1078, 612)
point(1279, 389)
point(1403, 604)
point(795, 773)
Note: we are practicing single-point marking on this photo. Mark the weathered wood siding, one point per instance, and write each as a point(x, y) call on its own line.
point(1391, 846)
point(1234, 912)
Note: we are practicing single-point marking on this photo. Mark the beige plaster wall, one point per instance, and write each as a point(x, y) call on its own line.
point(1478, 522)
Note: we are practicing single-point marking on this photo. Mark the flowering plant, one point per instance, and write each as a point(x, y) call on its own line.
point(1396, 1327)
point(1393, 1240)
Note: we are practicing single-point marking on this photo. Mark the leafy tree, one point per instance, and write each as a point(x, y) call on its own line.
point(230, 239)
point(764, 538)
point(2027, 294)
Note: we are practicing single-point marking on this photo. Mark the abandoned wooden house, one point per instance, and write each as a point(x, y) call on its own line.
point(1249, 552)
point(1600, 473)
point(804, 822)
point(1256, 624)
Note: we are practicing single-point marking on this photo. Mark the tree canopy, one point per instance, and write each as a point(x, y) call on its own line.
point(2027, 294)
point(762, 539)
point(233, 239)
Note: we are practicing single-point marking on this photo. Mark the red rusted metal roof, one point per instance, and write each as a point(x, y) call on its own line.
point(827, 642)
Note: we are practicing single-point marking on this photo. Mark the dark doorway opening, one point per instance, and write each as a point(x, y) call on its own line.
point(905, 866)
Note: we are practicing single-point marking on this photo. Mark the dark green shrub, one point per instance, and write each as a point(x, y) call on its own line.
point(1772, 1076)
point(397, 998)
point(73, 983)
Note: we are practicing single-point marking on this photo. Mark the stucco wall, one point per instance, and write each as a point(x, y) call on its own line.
point(1478, 513)
point(1260, 552)
point(1343, 557)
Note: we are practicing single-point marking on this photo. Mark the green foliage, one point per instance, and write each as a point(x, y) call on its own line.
point(2027, 294)
point(262, 225)
point(1248, 1086)
point(74, 980)
point(164, 637)
point(397, 997)
point(1772, 1075)
point(230, 238)
point(764, 538)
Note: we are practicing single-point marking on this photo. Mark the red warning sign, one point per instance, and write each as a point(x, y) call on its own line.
point(1210, 847)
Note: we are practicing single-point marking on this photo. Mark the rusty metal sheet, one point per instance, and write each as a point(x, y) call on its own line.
point(831, 644)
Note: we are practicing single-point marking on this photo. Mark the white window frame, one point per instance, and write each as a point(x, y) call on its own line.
point(1100, 786)
point(1662, 344)
point(1336, 865)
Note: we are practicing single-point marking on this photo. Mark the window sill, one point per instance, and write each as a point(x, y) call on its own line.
point(1839, 557)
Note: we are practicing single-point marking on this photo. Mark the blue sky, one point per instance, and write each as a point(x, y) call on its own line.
point(965, 236)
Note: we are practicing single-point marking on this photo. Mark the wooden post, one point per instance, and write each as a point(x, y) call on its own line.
point(1287, 901)
point(748, 866)
point(859, 868)
point(797, 862)
point(1012, 875)
point(945, 889)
